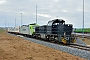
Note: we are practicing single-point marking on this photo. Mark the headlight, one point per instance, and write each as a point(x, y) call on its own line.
point(67, 38)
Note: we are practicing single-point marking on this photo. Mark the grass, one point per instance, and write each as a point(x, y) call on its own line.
point(1, 30)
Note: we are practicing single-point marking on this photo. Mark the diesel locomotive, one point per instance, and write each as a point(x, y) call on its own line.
point(56, 30)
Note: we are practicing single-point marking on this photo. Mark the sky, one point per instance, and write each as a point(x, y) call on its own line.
point(69, 10)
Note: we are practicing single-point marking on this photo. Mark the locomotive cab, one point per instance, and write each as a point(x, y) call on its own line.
point(52, 26)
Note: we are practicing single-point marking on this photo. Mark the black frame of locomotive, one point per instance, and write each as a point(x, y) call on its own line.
point(55, 30)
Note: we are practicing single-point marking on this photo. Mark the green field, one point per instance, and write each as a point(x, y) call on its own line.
point(1, 30)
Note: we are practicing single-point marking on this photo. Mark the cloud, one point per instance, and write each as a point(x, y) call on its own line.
point(64, 10)
point(44, 15)
point(2, 1)
point(69, 10)
point(55, 0)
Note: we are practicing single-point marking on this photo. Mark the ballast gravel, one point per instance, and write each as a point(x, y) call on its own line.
point(74, 51)
point(80, 42)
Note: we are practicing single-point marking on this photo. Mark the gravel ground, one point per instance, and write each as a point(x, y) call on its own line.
point(16, 48)
point(74, 51)
point(80, 42)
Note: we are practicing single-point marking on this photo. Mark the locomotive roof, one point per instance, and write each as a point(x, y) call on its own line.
point(57, 21)
point(24, 25)
point(33, 24)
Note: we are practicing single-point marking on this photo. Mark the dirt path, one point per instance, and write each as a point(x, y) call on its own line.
point(16, 48)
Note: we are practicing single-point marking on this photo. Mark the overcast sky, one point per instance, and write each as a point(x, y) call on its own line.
point(69, 10)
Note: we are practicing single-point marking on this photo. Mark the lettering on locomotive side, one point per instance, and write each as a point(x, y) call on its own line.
point(23, 29)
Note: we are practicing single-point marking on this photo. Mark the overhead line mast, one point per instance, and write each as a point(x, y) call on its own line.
point(83, 19)
point(36, 14)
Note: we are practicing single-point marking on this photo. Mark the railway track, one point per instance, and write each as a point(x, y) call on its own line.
point(64, 48)
point(81, 47)
point(86, 48)
point(83, 35)
point(88, 37)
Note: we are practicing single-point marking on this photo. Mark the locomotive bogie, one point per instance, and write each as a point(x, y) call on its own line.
point(68, 39)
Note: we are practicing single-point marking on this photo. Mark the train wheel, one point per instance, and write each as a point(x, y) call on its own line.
point(47, 38)
point(64, 41)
